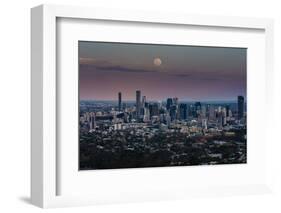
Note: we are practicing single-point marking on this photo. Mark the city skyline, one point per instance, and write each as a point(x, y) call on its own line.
point(190, 73)
point(116, 99)
point(150, 134)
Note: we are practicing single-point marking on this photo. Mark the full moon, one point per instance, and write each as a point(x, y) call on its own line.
point(157, 61)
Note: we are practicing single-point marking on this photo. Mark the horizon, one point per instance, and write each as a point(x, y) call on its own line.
point(164, 100)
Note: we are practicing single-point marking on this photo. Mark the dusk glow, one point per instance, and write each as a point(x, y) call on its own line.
point(188, 72)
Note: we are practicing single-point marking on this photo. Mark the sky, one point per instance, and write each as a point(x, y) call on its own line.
point(191, 73)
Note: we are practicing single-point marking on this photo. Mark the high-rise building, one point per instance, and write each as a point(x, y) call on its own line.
point(204, 111)
point(197, 108)
point(227, 111)
point(168, 120)
point(143, 101)
point(138, 103)
point(183, 111)
point(169, 103)
point(175, 101)
point(92, 121)
point(191, 110)
point(212, 112)
point(154, 109)
point(146, 116)
point(119, 101)
point(173, 112)
point(223, 112)
point(204, 123)
point(240, 107)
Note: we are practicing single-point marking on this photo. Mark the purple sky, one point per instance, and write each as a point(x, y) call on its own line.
point(187, 72)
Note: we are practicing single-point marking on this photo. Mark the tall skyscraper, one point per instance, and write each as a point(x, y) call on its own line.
point(146, 116)
point(212, 112)
point(138, 102)
point(240, 107)
point(197, 108)
point(183, 111)
point(204, 111)
point(154, 109)
point(119, 101)
point(92, 120)
point(143, 101)
point(173, 112)
point(191, 110)
point(227, 110)
point(223, 112)
point(169, 103)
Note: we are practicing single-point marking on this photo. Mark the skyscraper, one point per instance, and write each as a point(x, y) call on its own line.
point(240, 107)
point(175, 101)
point(173, 112)
point(154, 109)
point(169, 103)
point(212, 112)
point(92, 121)
point(146, 116)
point(143, 101)
point(119, 101)
point(138, 102)
point(227, 110)
point(197, 108)
point(183, 111)
point(203, 111)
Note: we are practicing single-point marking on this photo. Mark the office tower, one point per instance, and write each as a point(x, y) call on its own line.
point(175, 101)
point(212, 112)
point(240, 107)
point(207, 110)
point(119, 101)
point(124, 107)
point(146, 116)
point(197, 108)
point(191, 111)
point(220, 119)
point(154, 109)
point(169, 103)
point(168, 120)
point(183, 111)
point(204, 111)
point(227, 110)
point(230, 114)
point(138, 103)
point(173, 112)
point(223, 112)
point(204, 123)
point(143, 101)
point(92, 120)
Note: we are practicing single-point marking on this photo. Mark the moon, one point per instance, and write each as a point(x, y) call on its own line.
point(157, 62)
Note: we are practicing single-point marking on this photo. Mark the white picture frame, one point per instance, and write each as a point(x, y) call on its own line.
point(44, 154)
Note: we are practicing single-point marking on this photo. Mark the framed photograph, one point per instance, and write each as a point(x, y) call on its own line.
point(129, 106)
point(167, 105)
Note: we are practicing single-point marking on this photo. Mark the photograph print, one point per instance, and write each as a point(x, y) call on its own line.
point(155, 105)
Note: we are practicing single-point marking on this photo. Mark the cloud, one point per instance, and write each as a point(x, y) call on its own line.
point(195, 75)
point(192, 74)
point(113, 66)
point(125, 69)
